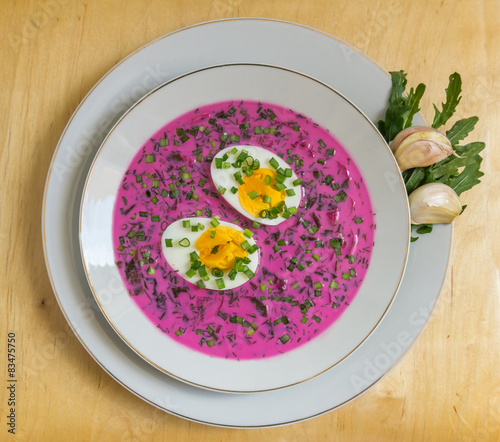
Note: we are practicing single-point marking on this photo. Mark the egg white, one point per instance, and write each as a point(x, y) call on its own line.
point(178, 257)
point(226, 179)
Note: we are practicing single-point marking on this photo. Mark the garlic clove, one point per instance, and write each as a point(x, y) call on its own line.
point(434, 203)
point(414, 133)
point(420, 146)
point(421, 153)
point(405, 133)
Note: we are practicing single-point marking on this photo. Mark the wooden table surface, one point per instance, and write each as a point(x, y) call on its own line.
point(447, 388)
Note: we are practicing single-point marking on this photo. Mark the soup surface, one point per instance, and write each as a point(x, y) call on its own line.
point(310, 265)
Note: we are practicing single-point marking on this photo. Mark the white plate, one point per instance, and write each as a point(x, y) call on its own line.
point(296, 47)
point(364, 145)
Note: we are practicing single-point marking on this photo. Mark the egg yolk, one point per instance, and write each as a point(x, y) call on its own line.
point(261, 182)
point(219, 249)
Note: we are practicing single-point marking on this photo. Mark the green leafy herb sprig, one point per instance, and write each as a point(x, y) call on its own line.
point(462, 171)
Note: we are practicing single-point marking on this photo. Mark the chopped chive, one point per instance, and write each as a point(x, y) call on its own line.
point(212, 234)
point(169, 242)
point(330, 152)
point(290, 192)
point(334, 284)
point(252, 249)
point(274, 164)
point(234, 190)
point(214, 222)
point(215, 250)
point(255, 225)
point(267, 199)
point(220, 283)
point(284, 339)
point(248, 233)
point(238, 177)
point(253, 195)
point(221, 189)
point(279, 186)
point(249, 273)
point(245, 245)
point(149, 158)
point(190, 273)
point(217, 272)
point(184, 242)
point(316, 257)
point(186, 223)
point(268, 180)
point(346, 276)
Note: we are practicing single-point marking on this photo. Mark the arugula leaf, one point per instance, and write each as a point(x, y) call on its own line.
point(413, 102)
point(468, 178)
point(400, 112)
point(461, 129)
point(452, 99)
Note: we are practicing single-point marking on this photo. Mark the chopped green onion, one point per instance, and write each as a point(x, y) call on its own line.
point(284, 339)
point(252, 249)
point(274, 164)
point(248, 233)
point(186, 223)
point(253, 195)
point(249, 273)
point(220, 283)
point(290, 192)
point(217, 272)
point(184, 242)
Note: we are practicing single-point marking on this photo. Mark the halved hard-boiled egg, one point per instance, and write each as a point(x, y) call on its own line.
point(210, 253)
point(257, 183)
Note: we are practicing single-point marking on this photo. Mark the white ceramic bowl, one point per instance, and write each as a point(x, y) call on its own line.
point(326, 107)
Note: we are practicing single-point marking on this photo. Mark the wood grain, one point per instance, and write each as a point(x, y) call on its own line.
point(448, 386)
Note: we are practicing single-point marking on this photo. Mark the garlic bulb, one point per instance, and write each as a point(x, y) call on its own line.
point(434, 203)
point(420, 146)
